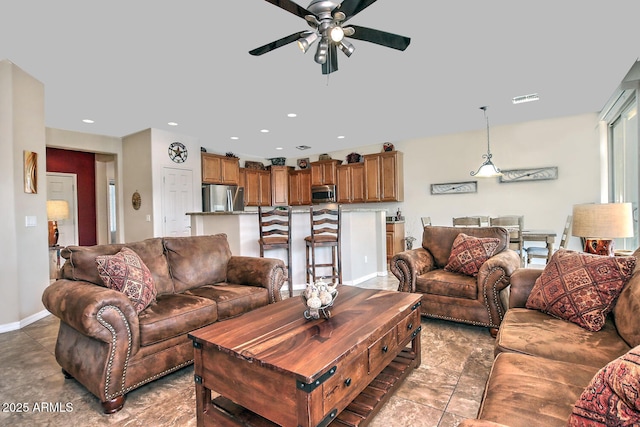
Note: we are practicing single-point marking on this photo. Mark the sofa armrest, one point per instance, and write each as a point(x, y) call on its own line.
point(508, 260)
point(93, 310)
point(408, 265)
point(522, 282)
point(269, 273)
point(493, 277)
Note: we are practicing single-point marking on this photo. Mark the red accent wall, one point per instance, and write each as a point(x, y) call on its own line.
point(84, 166)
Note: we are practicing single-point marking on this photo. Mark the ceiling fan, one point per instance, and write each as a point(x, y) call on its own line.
point(327, 19)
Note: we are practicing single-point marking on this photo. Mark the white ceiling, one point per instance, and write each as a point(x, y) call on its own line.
point(132, 65)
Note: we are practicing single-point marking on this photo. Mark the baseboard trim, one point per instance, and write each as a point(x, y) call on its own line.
point(301, 287)
point(14, 326)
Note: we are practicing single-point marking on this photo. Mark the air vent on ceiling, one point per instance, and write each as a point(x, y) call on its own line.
point(303, 147)
point(525, 98)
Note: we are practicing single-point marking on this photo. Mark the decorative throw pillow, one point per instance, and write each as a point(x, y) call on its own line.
point(468, 253)
point(613, 395)
point(581, 288)
point(125, 272)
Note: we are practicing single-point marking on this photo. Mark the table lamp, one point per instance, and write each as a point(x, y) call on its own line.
point(600, 223)
point(56, 210)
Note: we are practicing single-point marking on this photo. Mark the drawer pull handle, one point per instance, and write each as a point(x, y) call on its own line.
point(410, 326)
point(385, 349)
point(347, 382)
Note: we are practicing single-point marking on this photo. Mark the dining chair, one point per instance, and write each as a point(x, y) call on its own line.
point(467, 221)
point(426, 220)
point(325, 232)
point(514, 225)
point(543, 252)
point(275, 233)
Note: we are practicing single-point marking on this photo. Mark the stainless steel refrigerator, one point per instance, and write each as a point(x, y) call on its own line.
point(222, 198)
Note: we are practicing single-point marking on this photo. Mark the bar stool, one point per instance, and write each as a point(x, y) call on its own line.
point(325, 232)
point(275, 233)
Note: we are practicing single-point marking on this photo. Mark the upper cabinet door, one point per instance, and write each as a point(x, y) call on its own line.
point(220, 169)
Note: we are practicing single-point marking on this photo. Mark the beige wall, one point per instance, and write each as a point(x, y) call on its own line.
point(571, 143)
point(25, 260)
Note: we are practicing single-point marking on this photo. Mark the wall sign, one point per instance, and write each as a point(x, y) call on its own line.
point(455, 187)
point(531, 174)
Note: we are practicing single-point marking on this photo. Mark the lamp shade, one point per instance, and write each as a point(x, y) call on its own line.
point(57, 210)
point(603, 220)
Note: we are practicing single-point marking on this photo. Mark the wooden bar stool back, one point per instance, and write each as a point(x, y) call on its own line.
point(325, 232)
point(275, 233)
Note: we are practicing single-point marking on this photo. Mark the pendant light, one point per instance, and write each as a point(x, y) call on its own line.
point(487, 169)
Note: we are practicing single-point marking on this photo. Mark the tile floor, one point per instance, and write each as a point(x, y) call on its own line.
point(444, 390)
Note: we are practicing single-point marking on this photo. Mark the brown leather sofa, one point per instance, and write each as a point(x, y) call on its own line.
point(455, 296)
point(111, 349)
point(543, 364)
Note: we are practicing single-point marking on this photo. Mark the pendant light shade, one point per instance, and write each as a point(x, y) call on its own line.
point(487, 169)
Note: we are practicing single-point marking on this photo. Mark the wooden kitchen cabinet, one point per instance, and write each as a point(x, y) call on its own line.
point(384, 177)
point(395, 238)
point(257, 187)
point(350, 183)
point(323, 172)
point(280, 185)
point(300, 187)
point(217, 169)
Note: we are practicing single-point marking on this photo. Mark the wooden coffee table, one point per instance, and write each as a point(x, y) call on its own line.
point(273, 367)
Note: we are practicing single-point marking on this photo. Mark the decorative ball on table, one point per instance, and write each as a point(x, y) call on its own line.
point(318, 297)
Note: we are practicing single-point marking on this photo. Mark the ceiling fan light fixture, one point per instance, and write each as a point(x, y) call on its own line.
point(321, 53)
point(304, 43)
point(347, 48)
point(336, 34)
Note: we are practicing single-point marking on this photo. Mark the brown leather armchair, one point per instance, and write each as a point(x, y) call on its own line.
point(455, 296)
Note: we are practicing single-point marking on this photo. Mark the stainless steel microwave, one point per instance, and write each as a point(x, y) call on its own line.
point(323, 194)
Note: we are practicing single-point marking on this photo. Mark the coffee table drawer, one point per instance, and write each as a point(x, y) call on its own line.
point(348, 381)
point(383, 351)
point(408, 326)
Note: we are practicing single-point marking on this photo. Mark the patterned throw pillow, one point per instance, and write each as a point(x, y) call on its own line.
point(468, 253)
point(581, 288)
point(125, 272)
point(613, 395)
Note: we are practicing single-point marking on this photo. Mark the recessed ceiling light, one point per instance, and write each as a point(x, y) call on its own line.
point(264, 130)
point(341, 137)
point(292, 115)
point(279, 148)
point(88, 121)
point(525, 98)
point(235, 137)
point(172, 124)
point(303, 147)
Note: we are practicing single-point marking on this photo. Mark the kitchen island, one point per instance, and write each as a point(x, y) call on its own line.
point(363, 240)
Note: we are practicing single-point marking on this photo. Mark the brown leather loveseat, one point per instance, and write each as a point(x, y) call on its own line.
point(549, 371)
point(111, 348)
point(452, 295)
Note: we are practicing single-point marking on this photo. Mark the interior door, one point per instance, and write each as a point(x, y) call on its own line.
point(177, 201)
point(63, 186)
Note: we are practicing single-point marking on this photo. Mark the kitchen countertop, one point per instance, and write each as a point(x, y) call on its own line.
point(295, 210)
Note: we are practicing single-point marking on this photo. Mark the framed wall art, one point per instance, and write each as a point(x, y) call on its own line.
point(30, 172)
point(455, 187)
point(530, 174)
point(303, 163)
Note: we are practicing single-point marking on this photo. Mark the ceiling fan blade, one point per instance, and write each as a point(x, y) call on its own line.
point(292, 7)
point(352, 7)
point(276, 44)
point(331, 64)
point(382, 38)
